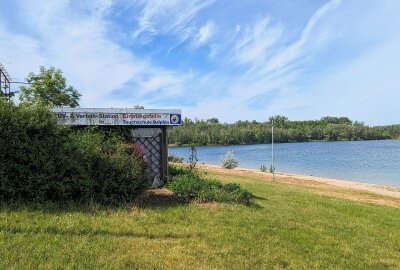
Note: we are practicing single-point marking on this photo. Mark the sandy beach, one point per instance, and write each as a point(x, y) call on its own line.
point(372, 193)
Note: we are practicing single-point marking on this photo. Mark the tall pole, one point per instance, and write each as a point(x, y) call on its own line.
point(273, 157)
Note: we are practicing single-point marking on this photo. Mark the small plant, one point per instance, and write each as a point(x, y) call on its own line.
point(192, 158)
point(271, 169)
point(229, 161)
point(263, 168)
point(176, 159)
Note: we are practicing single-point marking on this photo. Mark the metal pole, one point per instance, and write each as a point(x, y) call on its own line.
point(1, 87)
point(9, 91)
point(273, 157)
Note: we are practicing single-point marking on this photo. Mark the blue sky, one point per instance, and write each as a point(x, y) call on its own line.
point(216, 58)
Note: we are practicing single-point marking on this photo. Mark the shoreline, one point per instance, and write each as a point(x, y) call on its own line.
point(384, 190)
point(316, 141)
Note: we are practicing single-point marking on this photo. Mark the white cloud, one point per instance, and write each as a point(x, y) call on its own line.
point(251, 61)
point(271, 68)
point(253, 47)
point(215, 48)
point(364, 88)
point(14, 50)
point(167, 16)
point(295, 50)
point(204, 35)
point(171, 83)
point(77, 43)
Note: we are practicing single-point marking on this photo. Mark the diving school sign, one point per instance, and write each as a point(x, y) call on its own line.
point(116, 117)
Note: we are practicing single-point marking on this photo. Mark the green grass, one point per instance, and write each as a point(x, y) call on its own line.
point(289, 228)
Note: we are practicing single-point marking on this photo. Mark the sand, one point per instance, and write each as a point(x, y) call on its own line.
point(372, 193)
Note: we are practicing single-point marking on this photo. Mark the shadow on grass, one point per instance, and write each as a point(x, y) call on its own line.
point(255, 205)
point(151, 199)
point(88, 232)
point(259, 198)
point(164, 198)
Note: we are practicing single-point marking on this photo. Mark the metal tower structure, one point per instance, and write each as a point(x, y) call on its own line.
point(5, 82)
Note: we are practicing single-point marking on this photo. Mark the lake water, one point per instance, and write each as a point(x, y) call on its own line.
point(375, 162)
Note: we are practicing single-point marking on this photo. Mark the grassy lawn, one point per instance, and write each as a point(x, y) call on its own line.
point(289, 227)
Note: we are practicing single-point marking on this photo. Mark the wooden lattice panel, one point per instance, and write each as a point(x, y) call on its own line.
point(152, 153)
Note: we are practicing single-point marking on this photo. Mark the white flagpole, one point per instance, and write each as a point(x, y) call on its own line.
point(273, 157)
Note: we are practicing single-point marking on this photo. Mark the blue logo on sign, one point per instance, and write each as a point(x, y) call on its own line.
point(175, 119)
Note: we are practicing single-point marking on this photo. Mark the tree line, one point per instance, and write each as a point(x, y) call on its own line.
point(48, 87)
point(212, 132)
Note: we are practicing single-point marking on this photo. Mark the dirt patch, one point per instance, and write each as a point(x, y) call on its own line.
point(209, 205)
point(157, 197)
point(367, 198)
point(160, 192)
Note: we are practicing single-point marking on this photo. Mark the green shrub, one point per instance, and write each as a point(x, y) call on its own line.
point(31, 147)
point(176, 159)
point(114, 166)
point(177, 170)
point(41, 161)
point(229, 161)
point(271, 169)
point(186, 186)
point(263, 168)
point(192, 187)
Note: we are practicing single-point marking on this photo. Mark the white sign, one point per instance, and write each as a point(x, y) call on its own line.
point(117, 117)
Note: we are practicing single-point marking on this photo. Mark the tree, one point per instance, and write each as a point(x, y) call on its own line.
point(213, 120)
point(4, 88)
point(279, 120)
point(49, 87)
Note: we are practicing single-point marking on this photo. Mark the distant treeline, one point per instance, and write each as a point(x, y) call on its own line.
point(212, 132)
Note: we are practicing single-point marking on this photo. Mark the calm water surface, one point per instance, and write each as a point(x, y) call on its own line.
point(364, 161)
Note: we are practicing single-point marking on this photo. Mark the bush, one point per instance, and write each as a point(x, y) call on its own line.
point(41, 161)
point(263, 168)
point(271, 169)
point(116, 168)
point(192, 187)
point(31, 147)
point(229, 161)
point(177, 170)
point(186, 186)
point(176, 159)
